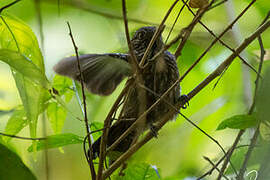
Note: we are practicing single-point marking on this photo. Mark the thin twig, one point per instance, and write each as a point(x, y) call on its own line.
point(186, 118)
point(91, 165)
point(176, 19)
point(212, 44)
point(156, 34)
point(134, 60)
point(195, 91)
point(209, 160)
point(88, 8)
point(24, 138)
point(107, 123)
point(241, 132)
point(256, 134)
point(220, 40)
point(190, 28)
point(8, 5)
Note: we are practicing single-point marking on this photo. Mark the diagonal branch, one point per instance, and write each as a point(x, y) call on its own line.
point(194, 92)
point(212, 44)
point(220, 40)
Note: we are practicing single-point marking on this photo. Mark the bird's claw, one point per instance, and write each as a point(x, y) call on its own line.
point(184, 100)
point(154, 130)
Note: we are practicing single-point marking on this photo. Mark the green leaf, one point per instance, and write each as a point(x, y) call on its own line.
point(62, 85)
point(96, 126)
point(16, 122)
point(138, 172)
point(12, 167)
point(56, 141)
point(17, 36)
point(265, 130)
point(21, 64)
point(264, 98)
point(57, 116)
point(238, 122)
point(22, 39)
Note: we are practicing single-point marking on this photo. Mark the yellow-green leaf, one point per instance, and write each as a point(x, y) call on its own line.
point(56, 141)
point(238, 122)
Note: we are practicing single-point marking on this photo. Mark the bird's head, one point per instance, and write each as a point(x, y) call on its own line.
point(142, 38)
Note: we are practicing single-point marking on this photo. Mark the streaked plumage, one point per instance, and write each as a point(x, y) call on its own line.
point(103, 72)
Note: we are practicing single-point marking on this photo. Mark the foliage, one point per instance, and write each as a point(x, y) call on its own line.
point(12, 167)
point(53, 99)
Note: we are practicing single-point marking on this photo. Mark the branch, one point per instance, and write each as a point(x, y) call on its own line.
point(134, 60)
point(241, 132)
point(156, 34)
point(91, 165)
point(219, 38)
point(212, 44)
point(195, 91)
point(87, 7)
point(107, 123)
point(190, 28)
point(256, 134)
point(214, 166)
point(24, 138)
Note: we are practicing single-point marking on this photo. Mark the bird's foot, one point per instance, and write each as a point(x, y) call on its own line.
point(154, 130)
point(184, 100)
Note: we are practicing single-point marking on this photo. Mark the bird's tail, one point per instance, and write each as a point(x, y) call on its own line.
point(114, 133)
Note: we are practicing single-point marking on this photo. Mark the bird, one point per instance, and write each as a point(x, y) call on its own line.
point(103, 72)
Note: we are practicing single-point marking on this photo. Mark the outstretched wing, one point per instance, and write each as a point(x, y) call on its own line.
point(102, 72)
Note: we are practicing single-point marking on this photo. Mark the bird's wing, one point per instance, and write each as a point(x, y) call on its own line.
point(102, 72)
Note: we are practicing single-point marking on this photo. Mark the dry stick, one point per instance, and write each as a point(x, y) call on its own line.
point(87, 7)
point(220, 40)
point(241, 132)
point(91, 165)
point(247, 156)
point(156, 34)
point(195, 91)
point(186, 118)
point(176, 19)
point(212, 44)
point(84, 142)
point(213, 168)
point(20, 137)
point(134, 60)
point(190, 28)
point(208, 160)
point(256, 134)
point(107, 123)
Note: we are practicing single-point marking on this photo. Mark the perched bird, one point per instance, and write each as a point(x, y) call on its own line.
point(103, 72)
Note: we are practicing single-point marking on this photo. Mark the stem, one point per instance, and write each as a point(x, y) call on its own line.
point(91, 165)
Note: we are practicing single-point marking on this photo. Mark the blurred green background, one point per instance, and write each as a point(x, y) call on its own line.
point(179, 149)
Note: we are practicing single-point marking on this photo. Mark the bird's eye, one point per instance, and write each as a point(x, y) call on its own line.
point(141, 35)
